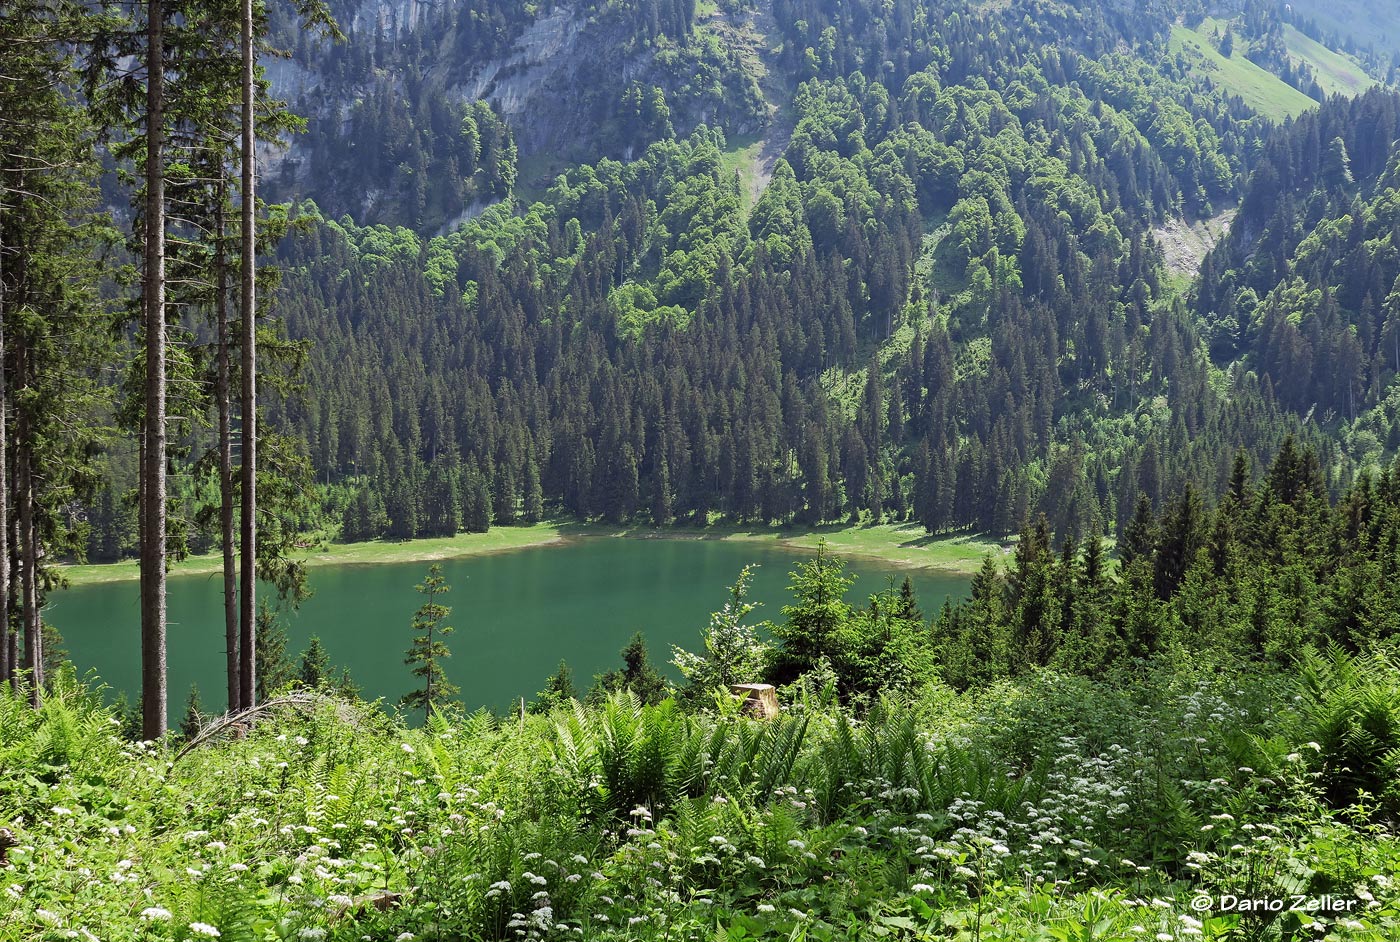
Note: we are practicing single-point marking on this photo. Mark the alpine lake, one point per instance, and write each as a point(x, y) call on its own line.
point(516, 614)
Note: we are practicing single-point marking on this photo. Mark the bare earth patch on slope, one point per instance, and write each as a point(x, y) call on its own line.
point(755, 157)
point(1186, 244)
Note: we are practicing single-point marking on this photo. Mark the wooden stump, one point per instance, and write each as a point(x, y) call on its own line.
point(760, 700)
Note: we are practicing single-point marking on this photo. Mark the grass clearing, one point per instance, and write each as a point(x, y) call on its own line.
point(1366, 22)
point(1263, 91)
point(1337, 73)
point(741, 156)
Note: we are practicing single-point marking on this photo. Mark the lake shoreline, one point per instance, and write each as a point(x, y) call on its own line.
point(903, 546)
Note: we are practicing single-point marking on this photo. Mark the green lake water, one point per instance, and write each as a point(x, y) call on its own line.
point(516, 614)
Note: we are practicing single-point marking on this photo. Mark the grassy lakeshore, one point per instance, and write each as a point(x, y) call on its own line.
point(499, 539)
point(901, 545)
point(905, 545)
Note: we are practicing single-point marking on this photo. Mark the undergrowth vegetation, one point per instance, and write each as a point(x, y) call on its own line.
point(1047, 807)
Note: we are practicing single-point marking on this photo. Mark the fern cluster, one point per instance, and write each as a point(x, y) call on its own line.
point(1049, 807)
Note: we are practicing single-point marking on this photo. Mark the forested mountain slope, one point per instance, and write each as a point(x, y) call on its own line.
point(635, 344)
point(948, 304)
point(1303, 289)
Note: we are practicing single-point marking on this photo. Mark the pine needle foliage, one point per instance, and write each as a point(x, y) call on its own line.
point(429, 650)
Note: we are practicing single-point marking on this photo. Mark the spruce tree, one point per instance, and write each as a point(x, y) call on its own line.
point(1182, 534)
point(558, 690)
point(248, 390)
point(52, 335)
point(812, 620)
point(428, 650)
point(1139, 539)
point(315, 670)
point(907, 605)
point(661, 497)
point(533, 510)
point(274, 668)
point(476, 502)
point(194, 715)
point(637, 674)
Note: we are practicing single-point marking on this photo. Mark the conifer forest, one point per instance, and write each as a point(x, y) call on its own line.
point(1088, 308)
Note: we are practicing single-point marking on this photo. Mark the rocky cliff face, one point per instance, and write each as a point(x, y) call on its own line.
point(525, 86)
point(562, 82)
point(529, 85)
point(542, 52)
point(557, 78)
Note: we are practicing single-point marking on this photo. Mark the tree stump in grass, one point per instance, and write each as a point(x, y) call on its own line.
point(760, 700)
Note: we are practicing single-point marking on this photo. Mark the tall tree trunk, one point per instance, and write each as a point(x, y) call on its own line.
point(12, 590)
point(153, 665)
point(8, 646)
point(249, 406)
point(226, 462)
point(428, 685)
point(29, 556)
